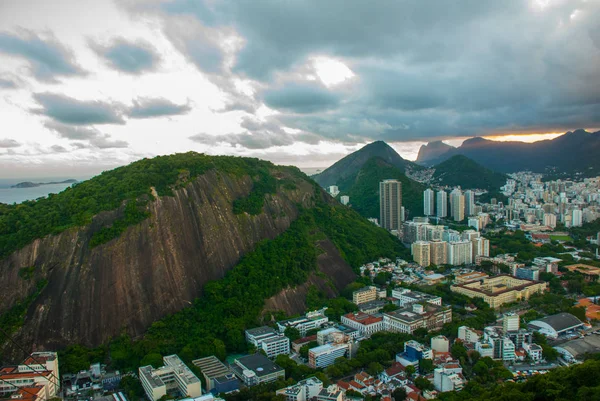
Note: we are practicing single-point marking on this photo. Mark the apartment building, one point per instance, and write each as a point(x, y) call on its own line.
point(438, 252)
point(174, 376)
point(325, 355)
point(365, 294)
point(469, 335)
point(37, 374)
point(421, 253)
point(304, 390)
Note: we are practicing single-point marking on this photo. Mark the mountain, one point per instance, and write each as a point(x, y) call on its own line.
point(432, 151)
point(133, 248)
point(29, 184)
point(363, 188)
point(460, 170)
point(351, 164)
point(572, 152)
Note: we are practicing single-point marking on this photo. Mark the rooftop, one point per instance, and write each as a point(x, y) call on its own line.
point(259, 364)
point(260, 331)
point(559, 322)
point(211, 366)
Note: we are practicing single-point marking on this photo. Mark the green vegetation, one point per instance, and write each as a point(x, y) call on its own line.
point(460, 170)
point(560, 237)
point(363, 188)
point(13, 319)
point(75, 206)
point(215, 324)
point(577, 383)
point(253, 203)
point(26, 273)
point(516, 242)
point(134, 213)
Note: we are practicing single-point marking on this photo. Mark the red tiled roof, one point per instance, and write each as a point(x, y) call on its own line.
point(305, 339)
point(363, 318)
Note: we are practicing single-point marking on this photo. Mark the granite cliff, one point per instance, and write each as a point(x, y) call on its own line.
point(152, 269)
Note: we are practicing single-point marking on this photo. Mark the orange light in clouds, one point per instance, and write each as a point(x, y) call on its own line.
point(524, 137)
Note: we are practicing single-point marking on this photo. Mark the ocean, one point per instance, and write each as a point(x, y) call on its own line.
point(10, 195)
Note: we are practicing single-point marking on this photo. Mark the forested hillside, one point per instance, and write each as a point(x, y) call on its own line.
point(363, 188)
point(216, 322)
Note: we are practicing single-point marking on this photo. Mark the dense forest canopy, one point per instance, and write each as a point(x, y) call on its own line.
point(75, 206)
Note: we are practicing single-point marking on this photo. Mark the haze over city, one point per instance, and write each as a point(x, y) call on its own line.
point(88, 85)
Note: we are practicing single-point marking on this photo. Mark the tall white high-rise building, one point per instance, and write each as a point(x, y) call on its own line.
point(469, 203)
point(421, 252)
point(457, 203)
point(428, 202)
point(550, 220)
point(390, 204)
point(460, 252)
point(344, 199)
point(510, 322)
point(577, 218)
point(442, 203)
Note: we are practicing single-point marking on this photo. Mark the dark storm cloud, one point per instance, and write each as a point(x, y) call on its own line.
point(67, 110)
point(156, 107)
point(9, 143)
point(47, 57)
point(127, 56)
point(424, 69)
point(307, 98)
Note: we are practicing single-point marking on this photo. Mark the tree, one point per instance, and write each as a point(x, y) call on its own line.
point(425, 366)
point(399, 394)
point(410, 370)
point(374, 368)
point(424, 384)
point(292, 333)
point(154, 359)
point(458, 350)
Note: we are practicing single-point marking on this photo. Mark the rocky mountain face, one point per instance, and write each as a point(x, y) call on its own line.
point(575, 151)
point(333, 275)
point(432, 151)
point(154, 268)
point(351, 164)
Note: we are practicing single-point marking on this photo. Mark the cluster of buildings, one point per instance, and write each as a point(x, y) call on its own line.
point(508, 343)
point(174, 378)
point(457, 205)
point(35, 379)
point(438, 245)
point(547, 203)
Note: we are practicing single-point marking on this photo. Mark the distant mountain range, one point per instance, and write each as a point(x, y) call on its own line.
point(461, 171)
point(358, 175)
point(576, 151)
point(432, 151)
point(351, 164)
point(29, 184)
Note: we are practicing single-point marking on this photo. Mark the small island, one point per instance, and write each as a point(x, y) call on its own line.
point(29, 184)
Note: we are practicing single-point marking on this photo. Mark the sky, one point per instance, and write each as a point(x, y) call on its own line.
point(87, 85)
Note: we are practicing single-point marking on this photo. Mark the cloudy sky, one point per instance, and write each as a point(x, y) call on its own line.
point(86, 85)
